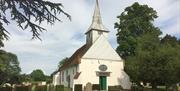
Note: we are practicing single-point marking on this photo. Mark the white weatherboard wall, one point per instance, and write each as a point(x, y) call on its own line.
point(56, 79)
point(101, 49)
point(71, 72)
point(89, 67)
point(99, 53)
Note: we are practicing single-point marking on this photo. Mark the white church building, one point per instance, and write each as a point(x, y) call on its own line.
point(96, 62)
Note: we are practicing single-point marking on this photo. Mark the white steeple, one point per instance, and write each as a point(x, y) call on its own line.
point(97, 21)
point(96, 28)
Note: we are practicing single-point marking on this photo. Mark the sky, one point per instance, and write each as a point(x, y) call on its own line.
point(64, 38)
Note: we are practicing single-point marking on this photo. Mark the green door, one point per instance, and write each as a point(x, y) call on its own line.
point(103, 82)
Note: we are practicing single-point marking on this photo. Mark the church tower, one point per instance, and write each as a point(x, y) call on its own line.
point(95, 60)
point(97, 28)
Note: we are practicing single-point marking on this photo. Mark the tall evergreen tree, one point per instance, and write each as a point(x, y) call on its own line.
point(26, 14)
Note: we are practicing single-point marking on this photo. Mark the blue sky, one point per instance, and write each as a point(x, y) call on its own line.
point(62, 39)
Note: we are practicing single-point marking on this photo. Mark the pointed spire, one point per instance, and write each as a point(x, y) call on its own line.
point(97, 21)
point(97, 16)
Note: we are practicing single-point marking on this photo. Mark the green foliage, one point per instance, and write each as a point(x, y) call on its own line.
point(27, 13)
point(9, 67)
point(2, 35)
point(48, 79)
point(154, 62)
point(67, 89)
point(135, 21)
point(62, 62)
point(59, 87)
point(41, 88)
point(169, 40)
point(38, 75)
point(25, 78)
point(148, 58)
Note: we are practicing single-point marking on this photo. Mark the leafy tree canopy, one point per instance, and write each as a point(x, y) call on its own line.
point(25, 78)
point(135, 21)
point(169, 40)
point(154, 63)
point(148, 58)
point(62, 62)
point(9, 67)
point(38, 75)
point(26, 14)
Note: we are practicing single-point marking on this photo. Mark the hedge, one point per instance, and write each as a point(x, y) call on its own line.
point(41, 88)
point(67, 89)
point(78, 87)
point(59, 88)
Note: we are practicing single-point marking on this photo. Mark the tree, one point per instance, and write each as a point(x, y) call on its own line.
point(62, 62)
point(27, 13)
point(38, 75)
point(154, 62)
point(148, 58)
point(9, 67)
point(137, 65)
point(135, 21)
point(169, 40)
point(25, 78)
point(172, 48)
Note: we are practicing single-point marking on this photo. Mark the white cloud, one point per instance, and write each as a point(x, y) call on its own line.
point(62, 39)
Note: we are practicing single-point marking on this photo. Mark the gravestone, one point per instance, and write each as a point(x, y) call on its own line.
point(88, 87)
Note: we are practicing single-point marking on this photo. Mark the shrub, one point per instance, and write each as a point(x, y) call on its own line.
point(67, 89)
point(59, 88)
point(52, 88)
point(41, 88)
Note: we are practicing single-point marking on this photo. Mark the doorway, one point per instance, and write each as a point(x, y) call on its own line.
point(103, 82)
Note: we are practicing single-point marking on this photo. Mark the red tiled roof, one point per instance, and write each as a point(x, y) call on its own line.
point(75, 58)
